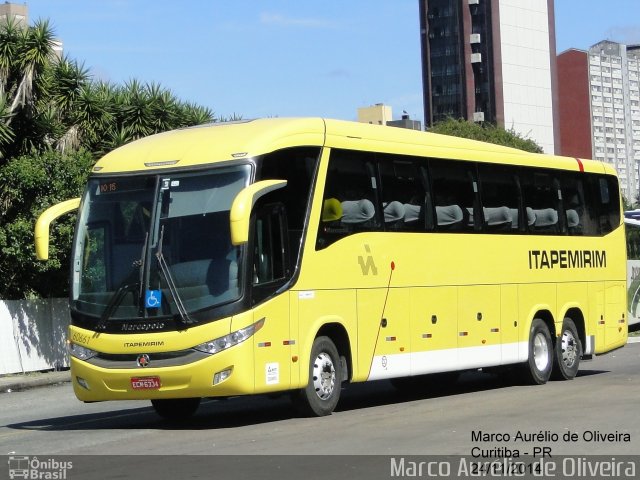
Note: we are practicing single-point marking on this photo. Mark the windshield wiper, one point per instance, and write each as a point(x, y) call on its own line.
point(125, 286)
point(164, 268)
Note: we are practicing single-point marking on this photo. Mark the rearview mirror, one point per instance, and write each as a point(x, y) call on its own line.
point(44, 221)
point(242, 205)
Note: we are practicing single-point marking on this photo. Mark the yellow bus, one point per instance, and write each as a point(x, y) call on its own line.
point(302, 254)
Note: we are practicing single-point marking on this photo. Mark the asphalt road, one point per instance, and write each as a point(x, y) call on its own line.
point(600, 407)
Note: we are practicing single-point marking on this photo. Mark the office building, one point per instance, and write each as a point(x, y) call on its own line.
point(381, 114)
point(599, 108)
point(378, 114)
point(491, 61)
point(19, 13)
point(405, 122)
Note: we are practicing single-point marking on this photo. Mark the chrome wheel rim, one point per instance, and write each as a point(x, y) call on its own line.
point(324, 376)
point(540, 352)
point(569, 349)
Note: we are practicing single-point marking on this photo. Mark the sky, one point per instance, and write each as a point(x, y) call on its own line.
point(280, 58)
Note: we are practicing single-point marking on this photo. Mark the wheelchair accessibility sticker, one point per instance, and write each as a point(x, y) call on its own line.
point(153, 298)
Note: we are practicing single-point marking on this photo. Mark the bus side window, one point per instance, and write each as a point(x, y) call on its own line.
point(542, 203)
point(602, 203)
point(609, 198)
point(579, 220)
point(350, 202)
point(454, 195)
point(501, 199)
point(404, 197)
point(298, 167)
point(270, 267)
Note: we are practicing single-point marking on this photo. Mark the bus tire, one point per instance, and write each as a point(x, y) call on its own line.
point(176, 409)
point(568, 352)
point(540, 362)
point(321, 395)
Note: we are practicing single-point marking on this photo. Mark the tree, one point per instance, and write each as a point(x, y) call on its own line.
point(25, 57)
point(28, 185)
point(485, 132)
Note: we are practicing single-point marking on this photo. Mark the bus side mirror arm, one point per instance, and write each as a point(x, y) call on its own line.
point(243, 204)
point(44, 221)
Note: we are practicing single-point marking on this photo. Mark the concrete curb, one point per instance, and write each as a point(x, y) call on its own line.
point(15, 383)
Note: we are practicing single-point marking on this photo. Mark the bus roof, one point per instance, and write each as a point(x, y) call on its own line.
point(220, 142)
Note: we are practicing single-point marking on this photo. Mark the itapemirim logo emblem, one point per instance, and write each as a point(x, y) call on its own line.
point(22, 466)
point(367, 265)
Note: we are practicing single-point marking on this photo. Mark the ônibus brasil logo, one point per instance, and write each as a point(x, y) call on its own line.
point(34, 468)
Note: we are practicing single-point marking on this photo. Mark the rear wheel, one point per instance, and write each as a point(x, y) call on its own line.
point(321, 395)
point(568, 352)
point(538, 366)
point(176, 408)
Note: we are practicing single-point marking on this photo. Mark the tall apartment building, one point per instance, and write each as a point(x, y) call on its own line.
point(492, 61)
point(599, 108)
point(19, 13)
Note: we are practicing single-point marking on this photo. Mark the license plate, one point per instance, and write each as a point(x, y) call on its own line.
point(145, 383)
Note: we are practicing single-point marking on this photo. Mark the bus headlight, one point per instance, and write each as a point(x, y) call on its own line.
point(80, 352)
point(228, 341)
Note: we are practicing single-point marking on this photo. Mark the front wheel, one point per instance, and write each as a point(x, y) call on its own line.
point(568, 352)
point(176, 409)
point(321, 395)
point(538, 366)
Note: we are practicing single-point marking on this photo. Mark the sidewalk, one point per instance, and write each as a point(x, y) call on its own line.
point(15, 383)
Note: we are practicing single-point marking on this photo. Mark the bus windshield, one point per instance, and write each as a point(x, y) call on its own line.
point(157, 245)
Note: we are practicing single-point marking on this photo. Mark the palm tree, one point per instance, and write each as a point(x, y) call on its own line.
point(35, 53)
point(69, 78)
point(164, 107)
point(25, 56)
point(92, 115)
point(6, 133)
point(135, 109)
point(10, 34)
point(192, 114)
point(9, 41)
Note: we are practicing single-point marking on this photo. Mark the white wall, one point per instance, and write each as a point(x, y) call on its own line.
point(526, 70)
point(33, 335)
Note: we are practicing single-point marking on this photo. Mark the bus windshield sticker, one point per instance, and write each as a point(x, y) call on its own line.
point(153, 298)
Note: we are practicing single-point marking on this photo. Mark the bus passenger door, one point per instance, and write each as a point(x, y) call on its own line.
point(596, 317)
point(615, 307)
point(383, 332)
point(272, 345)
point(479, 342)
point(270, 271)
point(509, 331)
point(434, 329)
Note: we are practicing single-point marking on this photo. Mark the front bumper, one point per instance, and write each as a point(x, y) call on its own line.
point(92, 383)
